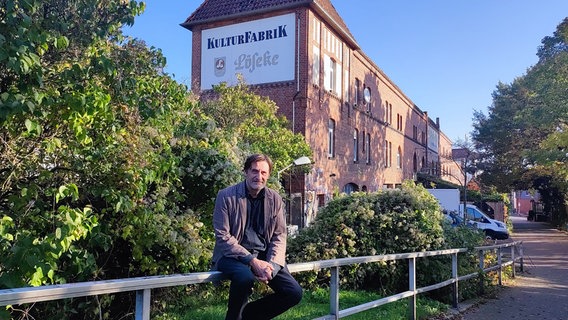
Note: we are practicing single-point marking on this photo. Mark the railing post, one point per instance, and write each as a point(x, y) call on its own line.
point(500, 262)
point(334, 293)
point(412, 287)
point(481, 256)
point(522, 257)
point(142, 304)
point(455, 288)
point(513, 259)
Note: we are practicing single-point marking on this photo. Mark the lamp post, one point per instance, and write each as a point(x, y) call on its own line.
point(465, 186)
point(298, 162)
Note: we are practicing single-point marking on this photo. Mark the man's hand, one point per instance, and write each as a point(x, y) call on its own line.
point(262, 269)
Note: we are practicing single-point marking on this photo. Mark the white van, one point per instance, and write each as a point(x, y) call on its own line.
point(493, 228)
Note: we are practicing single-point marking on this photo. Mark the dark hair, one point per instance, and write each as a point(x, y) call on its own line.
point(256, 158)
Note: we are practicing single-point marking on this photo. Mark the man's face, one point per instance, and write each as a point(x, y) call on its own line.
point(257, 175)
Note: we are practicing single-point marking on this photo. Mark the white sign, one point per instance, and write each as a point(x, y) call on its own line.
point(433, 138)
point(261, 51)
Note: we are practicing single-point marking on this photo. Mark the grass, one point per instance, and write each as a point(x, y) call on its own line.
point(313, 305)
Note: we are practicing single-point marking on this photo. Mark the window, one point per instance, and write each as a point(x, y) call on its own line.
point(473, 214)
point(332, 76)
point(399, 158)
point(357, 91)
point(321, 200)
point(388, 154)
point(398, 122)
point(388, 113)
point(355, 145)
point(415, 132)
point(350, 188)
point(367, 97)
point(316, 66)
point(346, 88)
point(368, 149)
point(317, 30)
point(331, 139)
point(414, 163)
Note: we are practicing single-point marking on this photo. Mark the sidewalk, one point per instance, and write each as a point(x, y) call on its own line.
point(541, 291)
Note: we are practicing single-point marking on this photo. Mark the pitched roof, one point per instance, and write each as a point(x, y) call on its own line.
point(217, 10)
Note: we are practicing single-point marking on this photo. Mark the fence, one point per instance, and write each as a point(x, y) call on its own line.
point(144, 285)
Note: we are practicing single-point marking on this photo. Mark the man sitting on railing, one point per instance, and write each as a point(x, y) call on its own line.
point(250, 244)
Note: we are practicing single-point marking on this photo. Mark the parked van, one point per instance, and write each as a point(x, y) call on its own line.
point(449, 200)
point(493, 228)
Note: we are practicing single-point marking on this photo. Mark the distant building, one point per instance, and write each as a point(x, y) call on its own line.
point(523, 201)
point(365, 133)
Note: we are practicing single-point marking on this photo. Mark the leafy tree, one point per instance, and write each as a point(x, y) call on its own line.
point(523, 134)
point(97, 146)
point(505, 136)
point(52, 112)
point(556, 44)
point(253, 123)
point(108, 167)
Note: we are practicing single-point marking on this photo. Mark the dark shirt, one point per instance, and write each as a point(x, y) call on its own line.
point(253, 239)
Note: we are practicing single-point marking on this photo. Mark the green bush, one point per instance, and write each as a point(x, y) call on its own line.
point(439, 269)
point(389, 221)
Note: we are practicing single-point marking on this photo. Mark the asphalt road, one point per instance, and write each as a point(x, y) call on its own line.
point(541, 291)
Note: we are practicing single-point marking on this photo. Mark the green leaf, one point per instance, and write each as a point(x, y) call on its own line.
point(61, 42)
point(33, 127)
point(50, 274)
point(37, 277)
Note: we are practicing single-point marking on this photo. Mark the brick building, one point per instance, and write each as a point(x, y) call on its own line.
point(365, 133)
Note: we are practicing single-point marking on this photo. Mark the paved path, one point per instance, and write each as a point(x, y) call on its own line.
point(541, 291)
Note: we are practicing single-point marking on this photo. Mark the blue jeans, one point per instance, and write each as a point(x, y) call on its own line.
point(287, 292)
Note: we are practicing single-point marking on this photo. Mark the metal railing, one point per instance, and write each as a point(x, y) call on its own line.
point(143, 285)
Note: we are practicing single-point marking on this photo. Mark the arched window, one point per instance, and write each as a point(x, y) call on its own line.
point(414, 163)
point(350, 188)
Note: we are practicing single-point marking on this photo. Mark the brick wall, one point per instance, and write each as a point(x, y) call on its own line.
point(390, 119)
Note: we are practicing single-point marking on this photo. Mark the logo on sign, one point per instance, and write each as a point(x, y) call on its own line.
point(220, 64)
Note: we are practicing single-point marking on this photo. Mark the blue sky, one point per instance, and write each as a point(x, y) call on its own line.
point(447, 56)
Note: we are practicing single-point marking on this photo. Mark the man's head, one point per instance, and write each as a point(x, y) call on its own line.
point(257, 170)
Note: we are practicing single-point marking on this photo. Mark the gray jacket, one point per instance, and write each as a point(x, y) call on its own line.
point(229, 220)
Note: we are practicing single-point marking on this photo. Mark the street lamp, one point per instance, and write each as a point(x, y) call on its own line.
point(298, 162)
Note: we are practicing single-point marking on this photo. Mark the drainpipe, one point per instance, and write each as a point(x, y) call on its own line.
point(426, 148)
point(297, 77)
